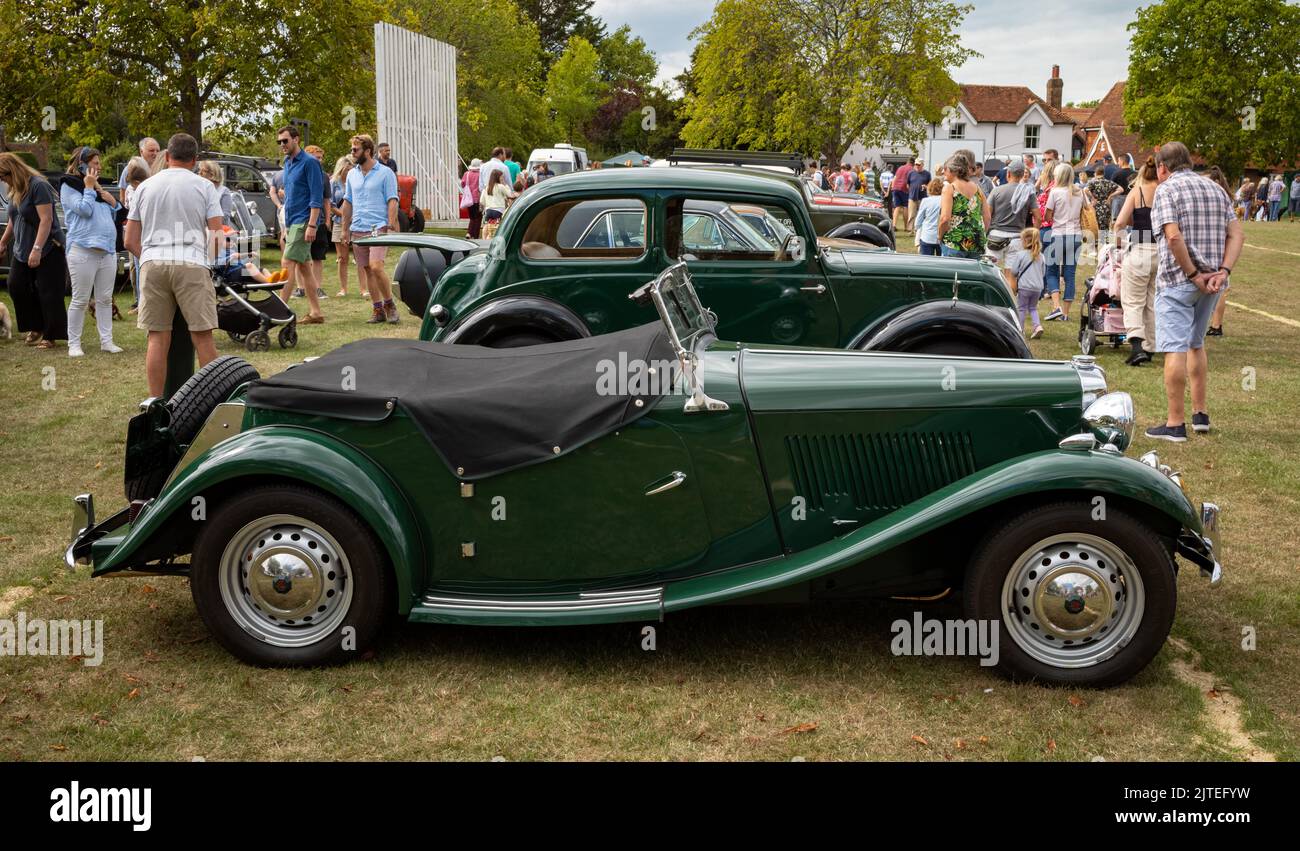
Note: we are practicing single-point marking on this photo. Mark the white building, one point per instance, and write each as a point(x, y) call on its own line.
point(1004, 120)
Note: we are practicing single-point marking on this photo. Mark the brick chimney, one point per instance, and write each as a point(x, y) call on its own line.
point(1055, 87)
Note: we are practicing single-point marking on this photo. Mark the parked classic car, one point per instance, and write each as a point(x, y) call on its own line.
point(559, 268)
point(640, 473)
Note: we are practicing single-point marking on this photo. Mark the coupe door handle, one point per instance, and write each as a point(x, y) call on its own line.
point(819, 289)
point(677, 478)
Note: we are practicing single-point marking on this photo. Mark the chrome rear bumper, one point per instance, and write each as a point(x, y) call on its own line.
point(1203, 549)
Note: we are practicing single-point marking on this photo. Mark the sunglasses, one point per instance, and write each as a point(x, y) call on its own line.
point(282, 141)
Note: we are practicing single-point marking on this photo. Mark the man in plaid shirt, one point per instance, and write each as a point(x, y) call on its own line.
point(1199, 240)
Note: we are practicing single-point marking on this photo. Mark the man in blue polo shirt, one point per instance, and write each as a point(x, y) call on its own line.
point(303, 191)
point(370, 208)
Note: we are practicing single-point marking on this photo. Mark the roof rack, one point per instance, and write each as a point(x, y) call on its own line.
point(259, 163)
point(794, 162)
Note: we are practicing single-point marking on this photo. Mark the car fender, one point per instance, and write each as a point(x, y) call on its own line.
point(294, 454)
point(862, 231)
point(945, 319)
point(1052, 472)
point(521, 312)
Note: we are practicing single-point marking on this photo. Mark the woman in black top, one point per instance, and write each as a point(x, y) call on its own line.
point(38, 273)
point(1141, 263)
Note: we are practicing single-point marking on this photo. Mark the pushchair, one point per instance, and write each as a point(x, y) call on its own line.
point(248, 320)
point(1103, 316)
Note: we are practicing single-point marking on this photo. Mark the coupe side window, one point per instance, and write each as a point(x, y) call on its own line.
point(603, 228)
point(718, 230)
point(242, 179)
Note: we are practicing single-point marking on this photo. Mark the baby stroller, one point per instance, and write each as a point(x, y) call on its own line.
point(248, 320)
point(1103, 316)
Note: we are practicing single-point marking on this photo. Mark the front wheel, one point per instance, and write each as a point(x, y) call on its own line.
point(288, 576)
point(1083, 593)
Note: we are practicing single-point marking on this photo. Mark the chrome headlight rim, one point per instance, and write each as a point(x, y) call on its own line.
point(1111, 419)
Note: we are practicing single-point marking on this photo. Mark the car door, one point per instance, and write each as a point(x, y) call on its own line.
point(626, 506)
point(759, 293)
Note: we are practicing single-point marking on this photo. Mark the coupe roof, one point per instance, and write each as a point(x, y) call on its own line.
point(711, 179)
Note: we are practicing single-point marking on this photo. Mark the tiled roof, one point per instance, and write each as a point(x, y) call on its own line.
point(1005, 104)
point(1078, 116)
point(1110, 113)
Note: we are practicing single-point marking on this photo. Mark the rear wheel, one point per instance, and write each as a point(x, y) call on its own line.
point(288, 576)
point(1078, 600)
point(190, 407)
point(955, 348)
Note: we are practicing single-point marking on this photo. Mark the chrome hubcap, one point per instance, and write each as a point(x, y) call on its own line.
point(285, 581)
point(1072, 600)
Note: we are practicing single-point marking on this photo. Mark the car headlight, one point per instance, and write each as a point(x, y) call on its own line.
point(1111, 419)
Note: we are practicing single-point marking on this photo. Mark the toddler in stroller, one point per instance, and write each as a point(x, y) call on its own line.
point(1104, 316)
point(246, 319)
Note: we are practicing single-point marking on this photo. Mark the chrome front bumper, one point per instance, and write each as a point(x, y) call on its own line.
point(1201, 549)
point(85, 532)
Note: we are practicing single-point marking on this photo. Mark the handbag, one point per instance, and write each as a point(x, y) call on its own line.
point(467, 198)
point(1088, 219)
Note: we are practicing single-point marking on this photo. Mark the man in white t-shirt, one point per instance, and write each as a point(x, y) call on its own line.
point(173, 227)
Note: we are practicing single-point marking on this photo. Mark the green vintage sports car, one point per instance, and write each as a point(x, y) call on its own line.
point(570, 250)
point(633, 475)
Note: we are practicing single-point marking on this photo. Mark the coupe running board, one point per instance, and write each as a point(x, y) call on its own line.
point(635, 604)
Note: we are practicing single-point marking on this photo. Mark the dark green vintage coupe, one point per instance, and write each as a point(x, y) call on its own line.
point(570, 250)
point(633, 475)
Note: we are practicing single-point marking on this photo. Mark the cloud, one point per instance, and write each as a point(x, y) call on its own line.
point(1020, 43)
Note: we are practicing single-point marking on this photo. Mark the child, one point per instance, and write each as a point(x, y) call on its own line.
point(927, 218)
point(235, 268)
point(1028, 267)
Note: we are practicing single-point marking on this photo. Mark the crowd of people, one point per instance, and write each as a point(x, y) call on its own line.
point(1178, 234)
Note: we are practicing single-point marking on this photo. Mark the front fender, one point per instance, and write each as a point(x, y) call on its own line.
point(310, 457)
point(1087, 474)
point(932, 321)
point(863, 231)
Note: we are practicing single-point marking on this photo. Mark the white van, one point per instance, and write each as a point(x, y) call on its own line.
point(562, 159)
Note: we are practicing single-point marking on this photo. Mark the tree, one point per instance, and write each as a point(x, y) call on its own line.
point(574, 88)
point(817, 75)
point(170, 65)
point(1218, 76)
point(627, 67)
point(557, 20)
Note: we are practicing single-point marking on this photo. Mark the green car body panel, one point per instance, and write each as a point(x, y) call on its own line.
point(831, 298)
point(883, 449)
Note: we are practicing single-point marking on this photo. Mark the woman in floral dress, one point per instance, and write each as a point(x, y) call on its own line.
point(964, 212)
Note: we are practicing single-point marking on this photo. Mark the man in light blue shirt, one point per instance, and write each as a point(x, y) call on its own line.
point(149, 149)
point(370, 208)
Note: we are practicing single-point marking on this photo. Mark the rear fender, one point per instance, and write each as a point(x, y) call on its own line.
point(932, 321)
point(281, 453)
point(1085, 474)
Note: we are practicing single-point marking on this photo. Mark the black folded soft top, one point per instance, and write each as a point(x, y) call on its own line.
point(484, 411)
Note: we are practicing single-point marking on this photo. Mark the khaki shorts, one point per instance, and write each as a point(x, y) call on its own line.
point(166, 286)
point(296, 246)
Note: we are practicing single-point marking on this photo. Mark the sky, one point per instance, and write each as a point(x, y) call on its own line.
point(1018, 48)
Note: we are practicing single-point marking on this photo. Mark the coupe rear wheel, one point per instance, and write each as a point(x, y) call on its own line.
point(289, 576)
point(1078, 600)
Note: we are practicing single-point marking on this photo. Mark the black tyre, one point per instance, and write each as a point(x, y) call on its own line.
point(1088, 341)
point(403, 222)
point(190, 407)
point(517, 340)
point(955, 348)
point(258, 341)
point(417, 220)
point(288, 336)
point(285, 575)
point(1081, 596)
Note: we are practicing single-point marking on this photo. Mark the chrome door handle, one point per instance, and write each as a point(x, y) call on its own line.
point(819, 289)
point(673, 481)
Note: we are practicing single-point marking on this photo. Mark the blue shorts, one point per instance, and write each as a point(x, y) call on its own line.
point(900, 198)
point(1182, 314)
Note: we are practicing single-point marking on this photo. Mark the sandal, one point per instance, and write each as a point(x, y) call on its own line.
point(45, 344)
point(33, 337)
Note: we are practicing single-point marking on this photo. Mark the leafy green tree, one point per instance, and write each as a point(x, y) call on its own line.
point(1221, 76)
point(817, 75)
point(169, 65)
point(557, 20)
point(574, 88)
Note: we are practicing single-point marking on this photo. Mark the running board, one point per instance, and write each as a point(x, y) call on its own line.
point(634, 604)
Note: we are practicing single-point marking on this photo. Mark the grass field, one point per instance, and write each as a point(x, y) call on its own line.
point(725, 683)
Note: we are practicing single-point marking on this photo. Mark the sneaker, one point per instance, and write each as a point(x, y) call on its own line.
point(298, 293)
point(75, 352)
point(1053, 316)
point(1038, 332)
point(390, 311)
point(112, 349)
point(1175, 434)
point(1214, 332)
point(320, 293)
point(377, 317)
point(1201, 423)
point(1138, 358)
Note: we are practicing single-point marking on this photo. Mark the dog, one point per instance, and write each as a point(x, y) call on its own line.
point(6, 326)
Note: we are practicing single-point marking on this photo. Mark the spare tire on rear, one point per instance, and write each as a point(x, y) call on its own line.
point(190, 407)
